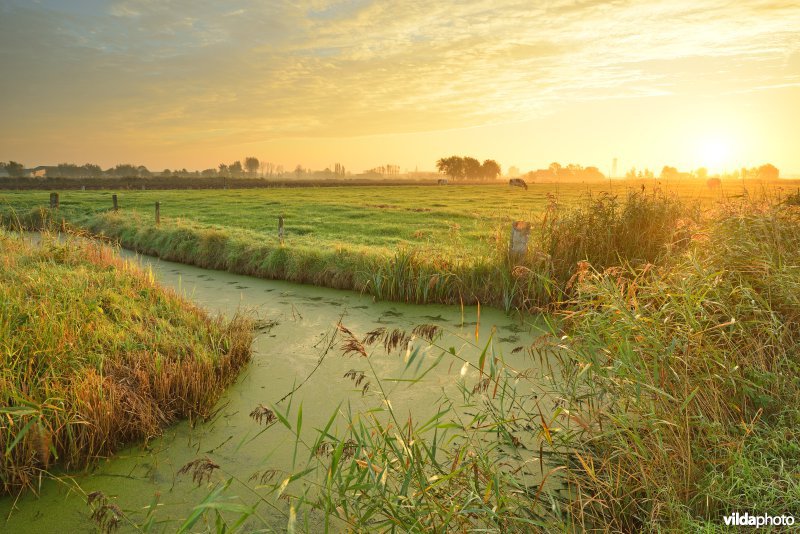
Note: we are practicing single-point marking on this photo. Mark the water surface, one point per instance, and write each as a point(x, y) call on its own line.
point(298, 321)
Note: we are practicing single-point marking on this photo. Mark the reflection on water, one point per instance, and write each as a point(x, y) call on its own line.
point(297, 322)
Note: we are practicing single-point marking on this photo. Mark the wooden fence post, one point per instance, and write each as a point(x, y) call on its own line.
point(54, 200)
point(114, 201)
point(280, 228)
point(158, 212)
point(520, 231)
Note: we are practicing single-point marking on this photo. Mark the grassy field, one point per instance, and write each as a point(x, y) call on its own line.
point(458, 218)
point(409, 243)
point(95, 354)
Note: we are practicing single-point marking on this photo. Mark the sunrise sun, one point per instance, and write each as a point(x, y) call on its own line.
point(715, 153)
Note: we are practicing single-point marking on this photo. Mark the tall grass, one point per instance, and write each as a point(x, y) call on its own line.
point(96, 355)
point(684, 377)
point(605, 230)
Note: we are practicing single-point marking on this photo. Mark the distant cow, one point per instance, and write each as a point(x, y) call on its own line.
point(441, 181)
point(713, 183)
point(517, 182)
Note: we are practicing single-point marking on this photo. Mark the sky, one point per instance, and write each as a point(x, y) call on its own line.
point(193, 83)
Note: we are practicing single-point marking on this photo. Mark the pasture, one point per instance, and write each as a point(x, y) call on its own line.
point(460, 218)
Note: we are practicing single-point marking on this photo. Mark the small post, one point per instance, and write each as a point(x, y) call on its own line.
point(53, 200)
point(83, 188)
point(280, 228)
point(158, 212)
point(520, 231)
point(114, 201)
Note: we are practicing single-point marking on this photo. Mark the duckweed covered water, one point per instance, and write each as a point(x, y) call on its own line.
point(296, 326)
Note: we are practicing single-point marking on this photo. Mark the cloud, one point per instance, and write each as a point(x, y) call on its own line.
point(181, 71)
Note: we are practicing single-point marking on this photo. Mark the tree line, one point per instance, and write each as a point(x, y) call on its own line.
point(767, 171)
point(250, 167)
point(467, 168)
point(569, 172)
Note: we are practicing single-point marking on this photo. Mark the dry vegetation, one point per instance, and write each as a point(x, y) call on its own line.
point(96, 355)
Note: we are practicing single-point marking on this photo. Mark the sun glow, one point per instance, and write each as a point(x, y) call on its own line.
point(715, 154)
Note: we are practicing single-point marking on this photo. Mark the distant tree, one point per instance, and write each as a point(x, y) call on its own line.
point(765, 172)
point(166, 172)
point(208, 173)
point(224, 171)
point(252, 164)
point(669, 172)
point(14, 169)
point(555, 169)
point(65, 170)
point(142, 172)
point(92, 170)
point(298, 171)
point(452, 167)
point(490, 169)
point(472, 168)
point(267, 168)
point(593, 173)
point(235, 169)
point(124, 170)
point(701, 173)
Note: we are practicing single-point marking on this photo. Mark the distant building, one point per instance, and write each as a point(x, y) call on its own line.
point(42, 171)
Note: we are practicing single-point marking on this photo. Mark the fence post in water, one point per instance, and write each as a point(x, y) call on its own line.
point(53, 200)
point(520, 231)
point(158, 212)
point(114, 201)
point(280, 228)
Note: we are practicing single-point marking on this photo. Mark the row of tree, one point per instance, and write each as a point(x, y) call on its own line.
point(467, 168)
point(249, 167)
point(668, 172)
point(569, 172)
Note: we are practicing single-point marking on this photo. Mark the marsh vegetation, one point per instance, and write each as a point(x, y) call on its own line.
point(658, 393)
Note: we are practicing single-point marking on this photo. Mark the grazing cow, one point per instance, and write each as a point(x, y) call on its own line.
point(441, 181)
point(517, 182)
point(713, 183)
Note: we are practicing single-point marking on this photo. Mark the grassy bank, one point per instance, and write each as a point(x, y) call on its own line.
point(682, 380)
point(96, 355)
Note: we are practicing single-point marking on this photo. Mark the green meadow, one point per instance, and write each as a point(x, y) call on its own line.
point(455, 217)
point(445, 244)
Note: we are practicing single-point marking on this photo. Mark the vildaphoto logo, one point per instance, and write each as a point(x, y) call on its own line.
point(747, 520)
